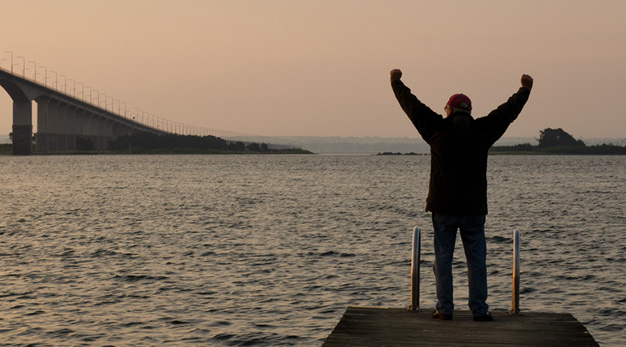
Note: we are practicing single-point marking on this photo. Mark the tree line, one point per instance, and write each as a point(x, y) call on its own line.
point(146, 142)
point(558, 141)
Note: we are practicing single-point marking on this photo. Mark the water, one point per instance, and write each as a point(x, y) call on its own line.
point(270, 250)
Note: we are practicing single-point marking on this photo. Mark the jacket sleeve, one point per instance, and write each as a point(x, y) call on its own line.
point(425, 120)
point(498, 120)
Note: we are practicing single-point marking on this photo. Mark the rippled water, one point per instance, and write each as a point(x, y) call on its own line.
point(270, 250)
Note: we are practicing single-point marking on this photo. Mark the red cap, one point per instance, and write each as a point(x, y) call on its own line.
point(460, 101)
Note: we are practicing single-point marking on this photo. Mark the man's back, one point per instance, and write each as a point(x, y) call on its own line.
point(458, 168)
point(459, 145)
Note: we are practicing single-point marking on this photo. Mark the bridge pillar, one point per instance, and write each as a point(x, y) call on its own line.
point(94, 126)
point(42, 125)
point(108, 135)
point(53, 126)
point(71, 128)
point(61, 130)
point(22, 128)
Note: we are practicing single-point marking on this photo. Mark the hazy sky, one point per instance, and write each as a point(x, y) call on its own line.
point(300, 67)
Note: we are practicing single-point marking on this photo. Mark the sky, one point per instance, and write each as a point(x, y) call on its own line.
point(321, 67)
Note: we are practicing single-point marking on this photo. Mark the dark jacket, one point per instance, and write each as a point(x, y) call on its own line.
point(459, 145)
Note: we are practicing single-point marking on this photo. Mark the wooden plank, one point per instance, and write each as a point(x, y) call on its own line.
point(368, 326)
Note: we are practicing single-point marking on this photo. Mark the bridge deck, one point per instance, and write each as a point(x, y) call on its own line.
point(367, 326)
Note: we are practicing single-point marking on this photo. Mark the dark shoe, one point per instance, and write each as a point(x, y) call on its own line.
point(487, 317)
point(442, 316)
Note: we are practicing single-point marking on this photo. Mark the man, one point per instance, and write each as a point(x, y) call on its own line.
point(457, 194)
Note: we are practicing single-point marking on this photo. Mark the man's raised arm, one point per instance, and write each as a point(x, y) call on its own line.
point(422, 117)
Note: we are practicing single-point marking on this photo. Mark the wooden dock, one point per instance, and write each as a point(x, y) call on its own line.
point(369, 326)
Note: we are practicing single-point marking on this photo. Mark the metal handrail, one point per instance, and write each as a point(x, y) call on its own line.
point(516, 273)
point(415, 271)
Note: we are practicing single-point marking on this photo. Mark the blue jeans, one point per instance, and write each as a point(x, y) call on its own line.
point(473, 236)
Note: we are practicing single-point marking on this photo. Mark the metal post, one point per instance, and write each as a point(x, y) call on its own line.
point(55, 78)
point(516, 273)
point(415, 271)
point(23, 66)
point(82, 91)
point(35, 74)
point(45, 76)
point(73, 87)
point(11, 60)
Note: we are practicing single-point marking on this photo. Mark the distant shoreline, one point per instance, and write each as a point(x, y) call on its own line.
point(7, 149)
point(527, 149)
point(374, 145)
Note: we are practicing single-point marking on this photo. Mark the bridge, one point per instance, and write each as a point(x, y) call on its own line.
point(62, 120)
point(65, 120)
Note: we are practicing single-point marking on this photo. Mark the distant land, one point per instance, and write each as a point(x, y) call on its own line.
point(365, 145)
point(401, 144)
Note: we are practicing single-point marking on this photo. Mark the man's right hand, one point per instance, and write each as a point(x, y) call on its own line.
point(395, 74)
point(527, 82)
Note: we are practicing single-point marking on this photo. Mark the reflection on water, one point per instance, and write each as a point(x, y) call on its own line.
point(270, 250)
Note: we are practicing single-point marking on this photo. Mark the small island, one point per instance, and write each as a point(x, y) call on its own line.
point(396, 153)
point(558, 141)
